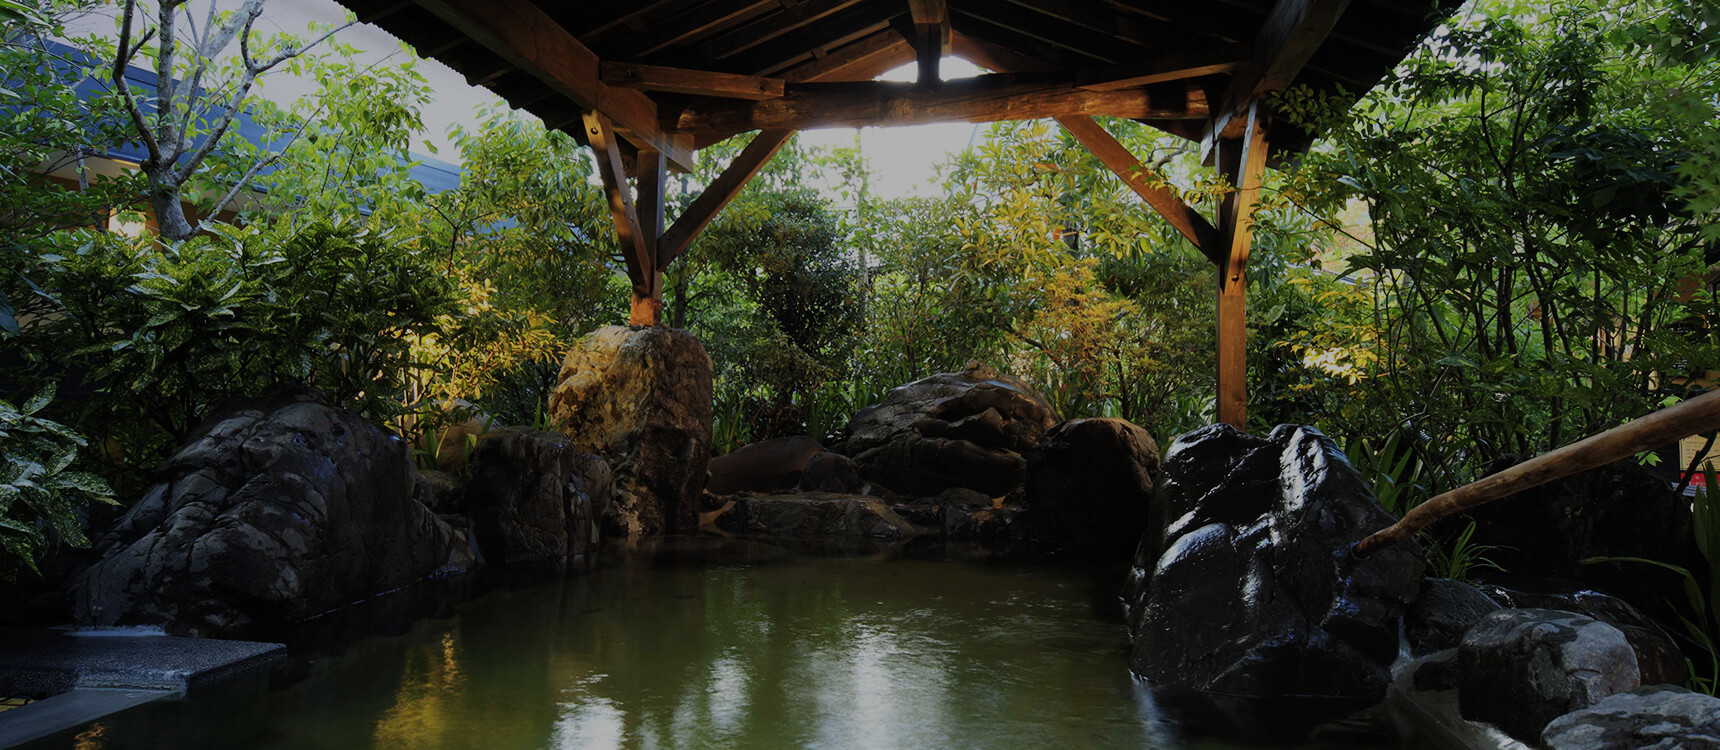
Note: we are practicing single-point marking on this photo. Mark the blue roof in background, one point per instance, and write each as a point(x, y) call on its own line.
point(434, 174)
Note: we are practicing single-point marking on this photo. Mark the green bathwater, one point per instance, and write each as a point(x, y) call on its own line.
point(730, 653)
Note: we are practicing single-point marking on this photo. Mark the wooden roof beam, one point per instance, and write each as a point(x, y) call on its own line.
point(860, 61)
point(1288, 39)
point(987, 98)
point(692, 82)
point(690, 24)
point(520, 32)
point(931, 36)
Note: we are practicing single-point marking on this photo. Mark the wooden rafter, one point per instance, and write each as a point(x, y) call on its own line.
point(1049, 29)
point(931, 20)
point(519, 32)
point(770, 26)
point(849, 25)
point(988, 98)
point(860, 61)
point(694, 82)
point(718, 194)
point(1165, 68)
point(1183, 217)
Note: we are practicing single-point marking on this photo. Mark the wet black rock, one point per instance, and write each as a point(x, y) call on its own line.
point(831, 472)
point(1661, 717)
point(279, 509)
point(1658, 659)
point(764, 466)
point(441, 492)
point(1519, 669)
point(1443, 611)
point(964, 429)
point(814, 516)
point(535, 499)
point(1617, 510)
point(1245, 584)
point(1091, 480)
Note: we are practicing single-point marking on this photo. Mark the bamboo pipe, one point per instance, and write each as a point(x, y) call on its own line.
point(1697, 415)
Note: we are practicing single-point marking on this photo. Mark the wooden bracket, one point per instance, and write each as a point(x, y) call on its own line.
point(718, 194)
point(636, 249)
point(1115, 155)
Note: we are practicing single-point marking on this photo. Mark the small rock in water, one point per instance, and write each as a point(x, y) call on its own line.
point(1661, 717)
point(1521, 668)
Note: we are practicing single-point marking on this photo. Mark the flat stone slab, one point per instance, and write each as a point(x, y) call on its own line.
point(36, 661)
point(68, 711)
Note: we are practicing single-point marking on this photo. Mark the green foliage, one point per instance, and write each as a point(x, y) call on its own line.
point(1456, 559)
point(161, 331)
point(1523, 264)
point(40, 494)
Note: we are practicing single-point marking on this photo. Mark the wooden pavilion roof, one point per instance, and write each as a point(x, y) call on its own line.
point(675, 75)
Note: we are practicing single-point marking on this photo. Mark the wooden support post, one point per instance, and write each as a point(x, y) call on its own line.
point(641, 258)
point(1244, 162)
point(652, 169)
point(931, 36)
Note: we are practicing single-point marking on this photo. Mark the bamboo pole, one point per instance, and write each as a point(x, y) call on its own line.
point(1697, 415)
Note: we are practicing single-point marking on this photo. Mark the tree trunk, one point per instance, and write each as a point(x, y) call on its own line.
point(169, 212)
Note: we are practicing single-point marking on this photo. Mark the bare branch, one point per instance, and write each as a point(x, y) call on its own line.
point(166, 49)
point(122, 59)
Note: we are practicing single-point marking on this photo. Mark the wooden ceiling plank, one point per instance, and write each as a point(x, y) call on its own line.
point(988, 98)
point(523, 35)
point(1118, 24)
point(860, 61)
point(769, 27)
point(690, 24)
point(1052, 30)
point(1167, 68)
point(1051, 56)
point(693, 82)
point(1183, 217)
point(835, 30)
point(719, 193)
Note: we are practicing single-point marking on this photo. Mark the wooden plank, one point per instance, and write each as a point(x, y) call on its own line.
point(1183, 217)
point(988, 98)
point(522, 34)
point(694, 82)
point(837, 29)
point(718, 194)
point(1051, 56)
point(1166, 68)
point(641, 261)
point(1248, 168)
point(1049, 29)
point(931, 19)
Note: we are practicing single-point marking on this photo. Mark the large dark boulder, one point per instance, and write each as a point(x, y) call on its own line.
point(1620, 509)
point(764, 466)
point(1245, 584)
point(1660, 717)
point(1091, 481)
point(1443, 611)
point(279, 509)
point(640, 397)
point(1521, 668)
point(831, 472)
point(535, 500)
point(959, 429)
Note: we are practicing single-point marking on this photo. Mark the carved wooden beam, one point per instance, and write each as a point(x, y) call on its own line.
point(988, 98)
point(693, 82)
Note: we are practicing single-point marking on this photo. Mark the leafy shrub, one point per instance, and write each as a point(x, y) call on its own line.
point(39, 493)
